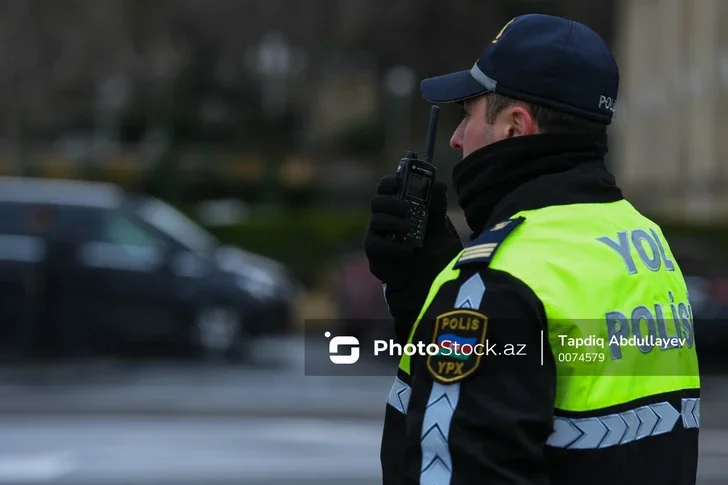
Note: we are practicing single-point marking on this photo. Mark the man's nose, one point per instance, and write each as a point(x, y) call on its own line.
point(456, 141)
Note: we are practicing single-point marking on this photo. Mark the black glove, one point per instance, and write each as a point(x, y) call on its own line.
point(406, 271)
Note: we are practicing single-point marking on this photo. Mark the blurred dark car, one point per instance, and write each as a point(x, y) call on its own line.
point(267, 281)
point(111, 269)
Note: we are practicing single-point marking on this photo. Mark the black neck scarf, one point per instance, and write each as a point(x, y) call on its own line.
point(486, 176)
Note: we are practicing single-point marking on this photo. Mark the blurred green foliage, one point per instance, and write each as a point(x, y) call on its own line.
point(306, 241)
point(367, 137)
point(310, 241)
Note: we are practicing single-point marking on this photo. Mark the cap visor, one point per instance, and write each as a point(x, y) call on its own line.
point(451, 88)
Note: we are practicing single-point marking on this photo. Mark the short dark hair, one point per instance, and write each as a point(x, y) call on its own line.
point(549, 120)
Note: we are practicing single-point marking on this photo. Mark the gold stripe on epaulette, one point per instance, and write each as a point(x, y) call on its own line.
point(485, 251)
point(476, 253)
point(475, 256)
point(480, 247)
point(480, 253)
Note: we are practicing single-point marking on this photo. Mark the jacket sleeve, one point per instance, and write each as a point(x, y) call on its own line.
point(501, 412)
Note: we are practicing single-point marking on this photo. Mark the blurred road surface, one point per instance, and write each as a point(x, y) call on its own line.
point(200, 451)
point(275, 386)
point(149, 424)
point(215, 451)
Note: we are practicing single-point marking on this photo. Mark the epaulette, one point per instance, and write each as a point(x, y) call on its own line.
point(484, 246)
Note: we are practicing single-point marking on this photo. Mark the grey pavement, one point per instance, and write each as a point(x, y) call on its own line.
point(105, 450)
point(179, 423)
point(277, 387)
point(245, 451)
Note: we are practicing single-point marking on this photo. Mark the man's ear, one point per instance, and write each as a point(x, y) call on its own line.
point(521, 122)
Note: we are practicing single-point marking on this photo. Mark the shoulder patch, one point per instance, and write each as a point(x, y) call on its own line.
point(484, 246)
point(459, 335)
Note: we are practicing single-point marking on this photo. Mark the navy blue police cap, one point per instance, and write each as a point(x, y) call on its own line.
point(540, 59)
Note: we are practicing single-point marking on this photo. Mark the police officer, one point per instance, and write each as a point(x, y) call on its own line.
point(559, 344)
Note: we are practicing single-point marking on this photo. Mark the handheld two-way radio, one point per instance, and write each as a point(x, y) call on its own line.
point(417, 177)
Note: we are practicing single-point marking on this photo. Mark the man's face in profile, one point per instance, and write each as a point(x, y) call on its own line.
point(474, 132)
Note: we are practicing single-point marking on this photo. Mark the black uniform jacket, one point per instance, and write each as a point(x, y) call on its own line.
point(493, 429)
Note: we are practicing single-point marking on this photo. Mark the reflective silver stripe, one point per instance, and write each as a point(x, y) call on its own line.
point(27, 249)
point(620, 428)
point(436, 459)
point(691, 412)
point(441, 405)
point(480, 77)
point(399, 395)
point(471, 293)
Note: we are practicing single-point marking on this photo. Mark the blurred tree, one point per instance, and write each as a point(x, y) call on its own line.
point(183, 62)
point(18, 71)
point(364, 138)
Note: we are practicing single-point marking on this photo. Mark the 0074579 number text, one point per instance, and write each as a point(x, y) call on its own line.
point(580, 357)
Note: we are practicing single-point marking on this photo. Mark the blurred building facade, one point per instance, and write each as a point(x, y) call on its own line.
point(671, 116)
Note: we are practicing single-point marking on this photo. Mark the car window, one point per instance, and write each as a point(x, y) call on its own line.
point(175, 225)
point(120, 229)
